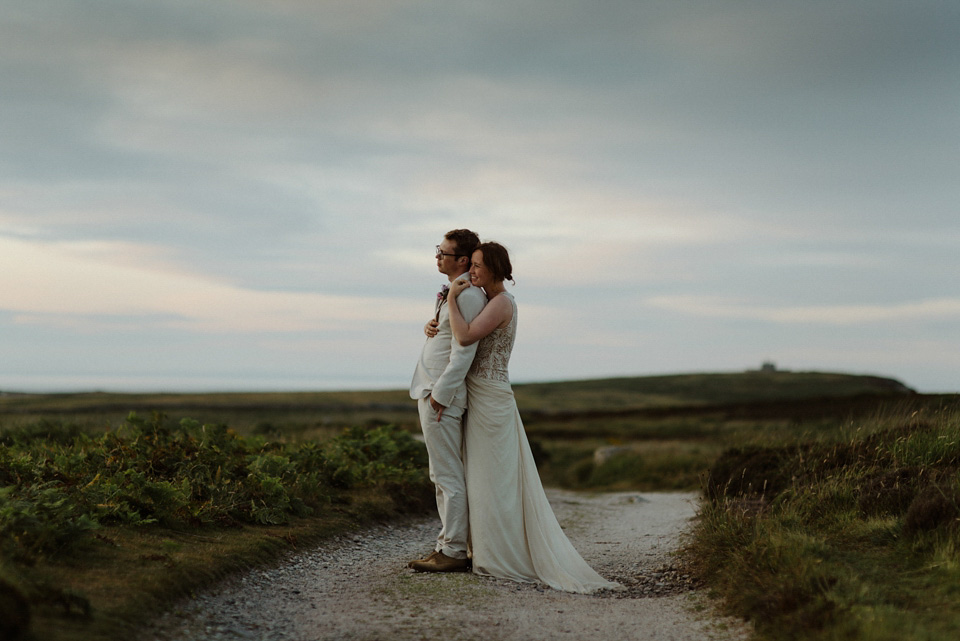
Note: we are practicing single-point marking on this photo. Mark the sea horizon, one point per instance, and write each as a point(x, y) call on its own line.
point(51, 384)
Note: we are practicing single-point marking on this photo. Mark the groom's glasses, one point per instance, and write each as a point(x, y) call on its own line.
point(440, 253)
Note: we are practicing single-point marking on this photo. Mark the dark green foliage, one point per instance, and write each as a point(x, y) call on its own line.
point(935, 506)
point(58, 483)
point(43, 430)
point(379, 454)
point(888, 492)
point(854, 539)
point(674, 471)
point(38, 518)
point(749, 471)
point(887, 480)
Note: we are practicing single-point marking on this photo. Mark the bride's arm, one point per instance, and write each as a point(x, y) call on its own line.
point(495, 314)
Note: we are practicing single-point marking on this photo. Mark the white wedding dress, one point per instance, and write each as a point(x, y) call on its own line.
point(513, 531)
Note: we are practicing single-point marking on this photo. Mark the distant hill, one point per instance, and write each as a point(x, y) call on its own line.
point(701, 389)
point(644, 394)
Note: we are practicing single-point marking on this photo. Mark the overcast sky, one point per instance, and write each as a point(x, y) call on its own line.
point(246, 195)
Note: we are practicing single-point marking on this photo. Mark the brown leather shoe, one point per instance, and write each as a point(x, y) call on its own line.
point(426, 558)
point(441, 563)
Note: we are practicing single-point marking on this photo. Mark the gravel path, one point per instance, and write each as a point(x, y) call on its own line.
point(358, 587)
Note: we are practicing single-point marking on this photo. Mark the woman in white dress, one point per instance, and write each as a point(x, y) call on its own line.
point(513, 531)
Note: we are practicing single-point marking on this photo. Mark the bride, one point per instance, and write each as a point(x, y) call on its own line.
point(513, 531)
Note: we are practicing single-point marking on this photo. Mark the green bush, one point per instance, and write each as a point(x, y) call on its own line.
point(57, 483)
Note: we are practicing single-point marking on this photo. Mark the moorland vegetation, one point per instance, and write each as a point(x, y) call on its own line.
point(853, 535)
point(97, 530)
point(829, 511)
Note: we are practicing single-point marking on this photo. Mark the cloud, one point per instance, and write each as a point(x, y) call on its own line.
point(251, 168)
point(938, 309)
point(77, 283)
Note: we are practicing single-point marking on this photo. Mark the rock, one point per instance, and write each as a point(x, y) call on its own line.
point(603, 454)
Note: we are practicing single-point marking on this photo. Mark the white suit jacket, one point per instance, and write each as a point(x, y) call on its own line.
point(443, 365)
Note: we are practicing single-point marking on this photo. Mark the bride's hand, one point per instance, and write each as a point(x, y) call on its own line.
point(458, 286)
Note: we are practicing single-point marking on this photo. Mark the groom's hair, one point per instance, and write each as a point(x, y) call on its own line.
point(466, 241)
point(496, 258)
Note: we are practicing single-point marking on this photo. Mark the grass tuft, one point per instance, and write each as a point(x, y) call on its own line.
point(853, 538)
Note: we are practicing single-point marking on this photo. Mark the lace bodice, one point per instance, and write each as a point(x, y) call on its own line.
point(493, 350)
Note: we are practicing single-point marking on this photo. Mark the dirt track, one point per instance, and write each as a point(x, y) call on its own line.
point(358, 587)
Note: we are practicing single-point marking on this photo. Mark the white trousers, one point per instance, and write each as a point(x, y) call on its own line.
point(444, 440)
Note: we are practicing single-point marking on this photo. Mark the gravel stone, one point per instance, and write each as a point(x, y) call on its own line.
point(358, 587)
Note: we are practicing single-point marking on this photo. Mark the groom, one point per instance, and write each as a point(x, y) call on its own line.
point(439, 388)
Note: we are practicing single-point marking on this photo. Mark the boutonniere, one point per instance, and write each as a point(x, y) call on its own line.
point(441, 299)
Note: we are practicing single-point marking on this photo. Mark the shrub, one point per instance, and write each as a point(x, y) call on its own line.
point(936, 505)
point(888, 492)
point(38, 518)
point(749, 471)
point(182, 475)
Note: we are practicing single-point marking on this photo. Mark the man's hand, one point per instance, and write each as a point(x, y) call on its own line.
point(430, 329)
point(438, 408)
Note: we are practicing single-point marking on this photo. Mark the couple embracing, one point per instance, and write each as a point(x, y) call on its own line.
point(493, 510)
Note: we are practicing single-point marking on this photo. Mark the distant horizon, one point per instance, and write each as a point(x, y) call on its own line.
point(92, 384)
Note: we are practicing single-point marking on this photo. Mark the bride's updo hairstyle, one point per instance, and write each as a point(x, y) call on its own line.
point(497, 260)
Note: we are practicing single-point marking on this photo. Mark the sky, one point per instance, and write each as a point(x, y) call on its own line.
point(238, 195)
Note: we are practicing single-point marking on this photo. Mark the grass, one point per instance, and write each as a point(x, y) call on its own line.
point(305, 415)
point(854, 536)
point(647, 466)
point(291, 417)
point(792, 545)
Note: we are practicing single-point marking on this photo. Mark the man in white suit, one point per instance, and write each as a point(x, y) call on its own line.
point(439, 388)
